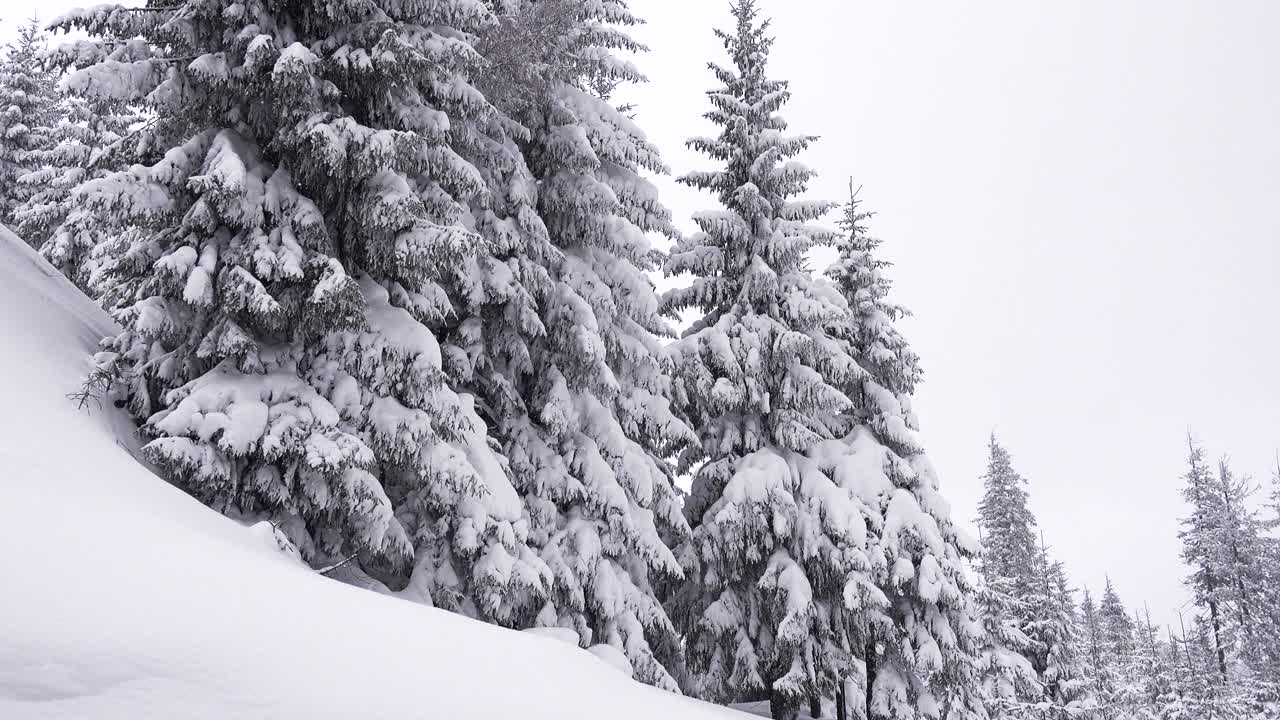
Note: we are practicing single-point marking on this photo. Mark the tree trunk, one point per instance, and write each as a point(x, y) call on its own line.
point(840, 701)
point(871, 673)
point(815, 706)
point(1217, 639)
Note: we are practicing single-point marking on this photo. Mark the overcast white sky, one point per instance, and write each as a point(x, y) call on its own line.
point(1081, 200)
point(1083, 204)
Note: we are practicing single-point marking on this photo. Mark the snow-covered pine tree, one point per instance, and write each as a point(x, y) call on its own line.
point(1214, 696)
point(561, 327)
point(1099, 666)
point(1055, 630)
point(1148, 678)
point(1012, 562)
point(882, 393)
point(1251, 620)
point(1265, 683)
point(1200, 535)
point(89, 139)
point(1118, 641)
point(909, 521)
point(28, 95)
point(284, 264)
point(1008, 525)
point(1177, 703)
point(777, 544)
point(1233, 581)
point(1117, 626)
point(1007, 676)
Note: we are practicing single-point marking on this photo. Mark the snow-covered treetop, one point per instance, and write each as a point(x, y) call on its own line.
point(747, 251)
point(28, 95)
point(859, 274)
point(1117, 626)
point(1006, 520)
point(536, 45)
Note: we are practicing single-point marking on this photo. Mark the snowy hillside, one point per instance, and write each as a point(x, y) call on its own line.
point(123, 598)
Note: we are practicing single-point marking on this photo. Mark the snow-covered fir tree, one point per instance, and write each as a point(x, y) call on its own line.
point(1116, 643)
point(28, 96)
point(1098, 665)
point(1054, 629)
point(775, 540)
point(1265, 682)
point(1214, 696)
point(560, 327)
point(89, 139)
point(1007, 676)
point(1008, 525)
point(284, 259)
point(1040, 598)
point(819, 550)
point(891, 369)
point(1177, 703)
point(1233, 579)
point(1117, 627)
point(909, 521)
point(1200, 545)
point(1138, 698)
point(1248, 584)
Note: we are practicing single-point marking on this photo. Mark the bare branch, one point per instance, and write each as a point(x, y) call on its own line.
point(93, 389)
point(335, 566)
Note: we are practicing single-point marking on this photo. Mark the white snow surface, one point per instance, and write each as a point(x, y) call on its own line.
point(122, 598)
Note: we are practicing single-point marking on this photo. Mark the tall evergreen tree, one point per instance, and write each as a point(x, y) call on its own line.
point(1150, 687)
point(1266, 679)
point(1233, 583)
point(774, 539)
point(817, 546)
point(1099, 667)
point(1200, 535)
point(908, 519)
point(1252, 619)
point(561, 329)
point(1007, 676)
point(1012, 560)
point(1212, 692)
point(285, 258)
point(1116, 641)
point(890, 369)
point(1177, 703)
point(1008, 526)
point(776, 543)
point(28, 95)
point(1055, 630)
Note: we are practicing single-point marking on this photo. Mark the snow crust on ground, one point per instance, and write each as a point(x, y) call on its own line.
point(122, 598)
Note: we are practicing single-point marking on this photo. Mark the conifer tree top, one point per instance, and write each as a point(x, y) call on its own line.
point(762, 235)
point(858, 273)
point(1005, 518)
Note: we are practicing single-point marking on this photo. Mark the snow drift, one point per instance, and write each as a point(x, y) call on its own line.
point(124, 598)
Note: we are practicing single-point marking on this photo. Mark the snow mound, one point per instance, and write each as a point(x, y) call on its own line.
point(614, 657)
point(124, 598)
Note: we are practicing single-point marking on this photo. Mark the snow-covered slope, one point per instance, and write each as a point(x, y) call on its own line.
point(120, 597)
